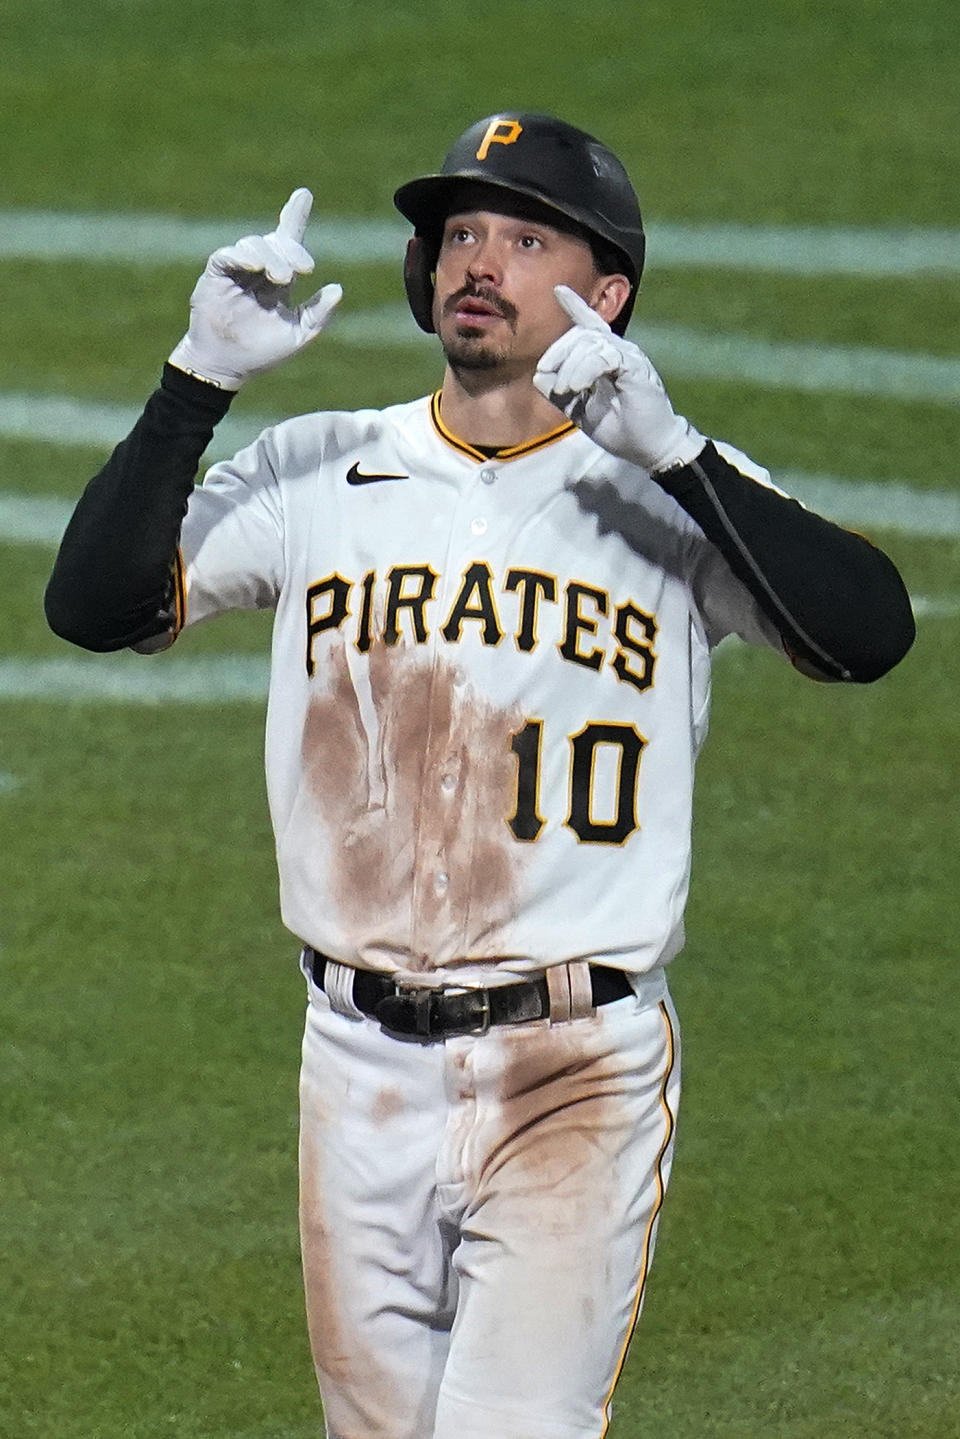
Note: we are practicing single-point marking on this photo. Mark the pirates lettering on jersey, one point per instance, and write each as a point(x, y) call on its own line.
point(474, 602)
point(588, 628)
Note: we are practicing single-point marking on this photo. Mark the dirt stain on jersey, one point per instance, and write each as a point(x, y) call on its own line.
point(414, 777)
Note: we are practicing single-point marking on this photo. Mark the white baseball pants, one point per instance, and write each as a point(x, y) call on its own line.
point(478, 1217)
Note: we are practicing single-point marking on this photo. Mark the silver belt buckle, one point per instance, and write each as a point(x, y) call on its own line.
point(483, 1024)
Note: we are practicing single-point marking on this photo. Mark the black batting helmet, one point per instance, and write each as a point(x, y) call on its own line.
point(561, 170)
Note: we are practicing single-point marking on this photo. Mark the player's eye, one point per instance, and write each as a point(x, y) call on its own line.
point(530, 242)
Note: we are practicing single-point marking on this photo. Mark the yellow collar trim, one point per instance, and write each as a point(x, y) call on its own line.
point(509, 452)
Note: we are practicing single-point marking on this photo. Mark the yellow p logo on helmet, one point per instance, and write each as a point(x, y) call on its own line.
point(499, 132)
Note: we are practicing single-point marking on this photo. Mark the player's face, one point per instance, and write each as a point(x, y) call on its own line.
point(494, 306)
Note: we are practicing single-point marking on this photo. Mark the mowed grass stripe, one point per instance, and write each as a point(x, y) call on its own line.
point(865, 504)
point(130, 679)
point(679, 352)
point(61, 420)
point(113, 237)
point(807, 367)
point(802, 366)
point(861, 504)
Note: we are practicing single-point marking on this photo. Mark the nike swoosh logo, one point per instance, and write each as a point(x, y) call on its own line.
point(354, 477)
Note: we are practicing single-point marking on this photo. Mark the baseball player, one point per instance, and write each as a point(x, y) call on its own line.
point(495, 608)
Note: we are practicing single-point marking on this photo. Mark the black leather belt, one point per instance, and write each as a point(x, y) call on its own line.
point(434, 1012)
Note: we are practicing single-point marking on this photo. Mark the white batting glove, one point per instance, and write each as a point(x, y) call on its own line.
point(608, 387)
point(240, 322)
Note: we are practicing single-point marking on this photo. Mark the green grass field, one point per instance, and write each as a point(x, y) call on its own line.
point(807, 1283)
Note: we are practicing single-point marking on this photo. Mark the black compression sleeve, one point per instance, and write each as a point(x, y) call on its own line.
point(838, 602)
point(113, 578)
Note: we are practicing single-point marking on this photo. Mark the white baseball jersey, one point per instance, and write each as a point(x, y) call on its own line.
point(489, 685)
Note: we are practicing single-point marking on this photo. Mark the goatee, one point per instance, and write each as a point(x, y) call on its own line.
point(463, 352)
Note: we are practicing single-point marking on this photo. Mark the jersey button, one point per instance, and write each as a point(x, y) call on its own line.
point(442, 882)
point(488, 476)
point(448, 783)
point(478, 526)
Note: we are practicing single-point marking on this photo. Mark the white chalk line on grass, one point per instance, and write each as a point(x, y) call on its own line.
point(678, 352)
point(809, 367)
point(935, 607)
point(862, 504)
point(870, 505)
point(135, 679)
point(133, 239)
point(804, 366)
point(89, 424)
point(140, 239)
point(204, 680)
point(33, 519)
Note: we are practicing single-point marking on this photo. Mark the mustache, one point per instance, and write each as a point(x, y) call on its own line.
point(488, 295)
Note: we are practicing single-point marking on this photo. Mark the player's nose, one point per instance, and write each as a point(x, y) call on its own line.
point(485, 264)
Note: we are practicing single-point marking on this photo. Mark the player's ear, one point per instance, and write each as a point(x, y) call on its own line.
point(609, 295)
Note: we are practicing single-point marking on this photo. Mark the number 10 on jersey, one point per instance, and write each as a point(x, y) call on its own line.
point(604, 768)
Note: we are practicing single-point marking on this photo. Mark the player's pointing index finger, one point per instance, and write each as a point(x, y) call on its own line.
point(578, 309)
point(295, 214)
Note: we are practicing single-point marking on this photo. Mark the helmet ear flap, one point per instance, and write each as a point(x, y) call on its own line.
point(418, 267)
point(619, 325)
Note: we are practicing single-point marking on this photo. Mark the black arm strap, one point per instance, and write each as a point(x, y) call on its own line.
point(115, 579)
point(837, 601)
